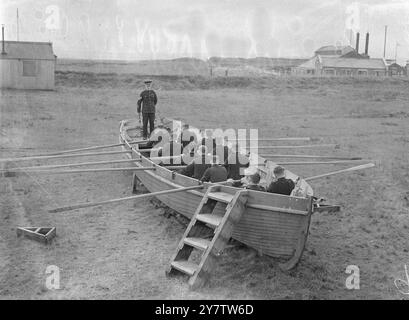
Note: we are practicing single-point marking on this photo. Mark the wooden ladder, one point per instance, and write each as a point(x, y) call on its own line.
point(208, 232)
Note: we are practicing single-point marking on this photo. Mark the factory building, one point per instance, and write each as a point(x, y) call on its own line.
point(343, 61)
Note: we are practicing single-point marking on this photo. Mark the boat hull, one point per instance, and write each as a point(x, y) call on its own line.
point(274, 225)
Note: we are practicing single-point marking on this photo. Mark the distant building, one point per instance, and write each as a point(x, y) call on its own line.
point(337, 66)
point(27, 65)
point(344, 61)
point(340, 52)
point(308, 67)
point(345, 51)
point(334, 51)
point(395, 69)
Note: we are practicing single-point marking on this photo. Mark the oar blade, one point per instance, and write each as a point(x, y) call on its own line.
point(356, 168)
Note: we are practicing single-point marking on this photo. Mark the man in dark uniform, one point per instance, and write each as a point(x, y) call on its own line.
point(198, 166)
point(187, 136)
point(172, 150)
point(216, 173)
point(209, 142)
point(281, 185)
point(146, 105)
point(234, 162)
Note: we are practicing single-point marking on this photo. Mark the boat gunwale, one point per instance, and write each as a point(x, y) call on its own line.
point(206, 184)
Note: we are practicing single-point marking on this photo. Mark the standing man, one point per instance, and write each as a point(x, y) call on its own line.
point(146, 105)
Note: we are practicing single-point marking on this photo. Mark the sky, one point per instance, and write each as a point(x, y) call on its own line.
point(152, 29)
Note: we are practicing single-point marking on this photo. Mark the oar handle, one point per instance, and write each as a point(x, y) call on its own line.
point(93, 204)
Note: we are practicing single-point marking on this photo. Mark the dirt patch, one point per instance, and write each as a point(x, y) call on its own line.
point(122, 251)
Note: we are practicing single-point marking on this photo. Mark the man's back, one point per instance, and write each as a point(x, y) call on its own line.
point(281, 186)
point(234, 163)
point(196, 168)
point(201, 164)
point(199, 170)
point(215, 173)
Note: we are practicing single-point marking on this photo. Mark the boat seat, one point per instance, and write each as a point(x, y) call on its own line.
point(221, 196)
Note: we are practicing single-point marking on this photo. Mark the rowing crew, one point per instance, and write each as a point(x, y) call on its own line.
point(217, 172)
point(223, 163)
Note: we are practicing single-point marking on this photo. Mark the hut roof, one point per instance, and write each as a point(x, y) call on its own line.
point(28, 50)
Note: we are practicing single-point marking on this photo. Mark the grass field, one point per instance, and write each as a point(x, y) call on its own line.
point(122, 251)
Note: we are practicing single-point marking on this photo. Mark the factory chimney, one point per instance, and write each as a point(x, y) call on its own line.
point(366, 43)
point(384, 44)
point(357, 42)
point(3, 51)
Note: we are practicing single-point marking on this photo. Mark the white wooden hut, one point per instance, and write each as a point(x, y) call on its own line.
point(27, 65)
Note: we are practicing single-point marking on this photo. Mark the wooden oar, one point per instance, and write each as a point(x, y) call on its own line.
point(279, 139)
point(301, 163)
point(85, 170)
point(361, 167)
point(139, 142)
point(147, 150)
point(81, 149)
point(296, 147)
point(57, 166)
point(153, 194)
point(165, 157)
point(89, 148)
point(224, 182)
point(306, 156)
point(64, 156)
point(173, 167)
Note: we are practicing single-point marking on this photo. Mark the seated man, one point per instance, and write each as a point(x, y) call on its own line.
point(250, 180)
point(216, 173)
point(221, 149)
point(198, 166)
point(234, 162)
point(171, 151)
point(187, 136)
point(253, 182)
point(209, 141)
point(156, 137)
point(281, 185)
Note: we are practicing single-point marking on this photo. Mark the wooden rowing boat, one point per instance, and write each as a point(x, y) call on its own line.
point(274, 225)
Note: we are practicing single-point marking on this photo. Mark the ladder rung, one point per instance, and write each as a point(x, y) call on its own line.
point(185, 266)
point(221, 196)
point(199, 243)
point(211, 219)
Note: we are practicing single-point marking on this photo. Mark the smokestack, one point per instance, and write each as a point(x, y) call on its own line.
point(18, 33)
point(384, 44)
point(357, 42)
point(367, 43)
point(3, 51)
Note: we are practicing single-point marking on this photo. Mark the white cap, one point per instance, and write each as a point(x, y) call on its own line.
point(250, 171)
